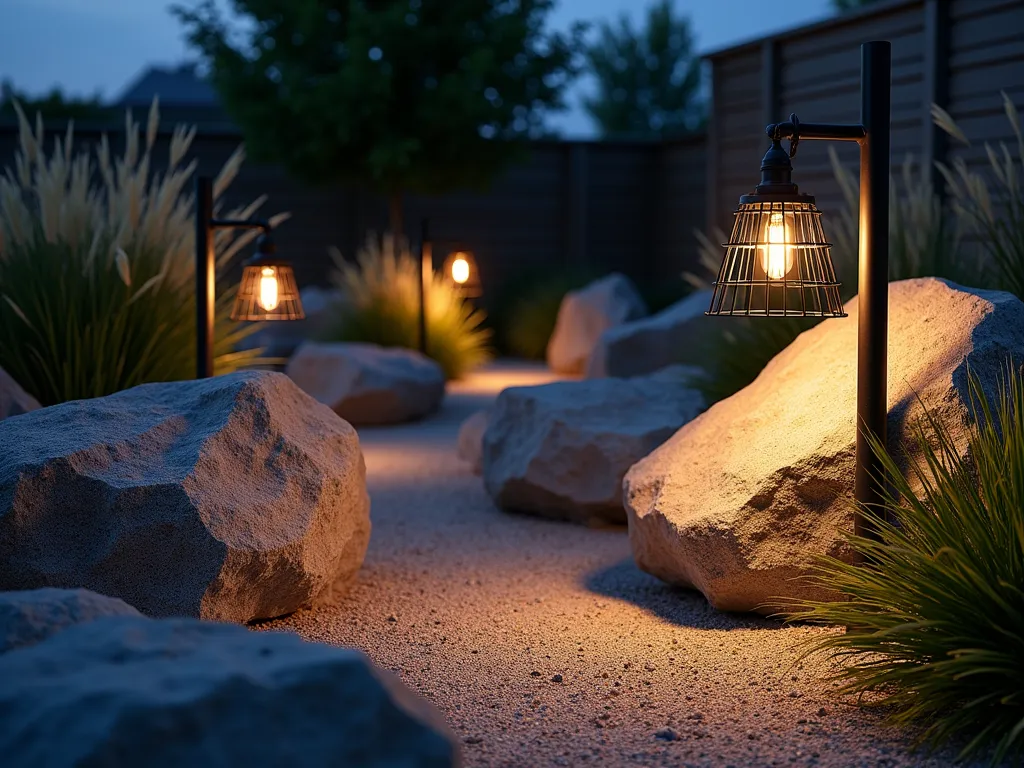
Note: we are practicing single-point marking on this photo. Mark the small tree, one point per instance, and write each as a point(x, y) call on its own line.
point(403, 95)
point(648, 80)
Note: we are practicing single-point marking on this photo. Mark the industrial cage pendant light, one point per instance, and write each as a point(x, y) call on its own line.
point(777, 262)
point(268, 290)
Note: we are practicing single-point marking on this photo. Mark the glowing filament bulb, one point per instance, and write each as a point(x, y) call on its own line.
point(268, 289)
point(777, 255)
point(460, 270)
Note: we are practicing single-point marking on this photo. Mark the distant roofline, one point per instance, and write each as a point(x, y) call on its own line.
point(146, 71)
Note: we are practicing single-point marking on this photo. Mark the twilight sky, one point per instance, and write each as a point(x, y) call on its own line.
point(87, 46)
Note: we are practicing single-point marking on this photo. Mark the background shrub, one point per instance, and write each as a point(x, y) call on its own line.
point(96, 272)
point(380, 305)
point(935, 614)
point(527, 308)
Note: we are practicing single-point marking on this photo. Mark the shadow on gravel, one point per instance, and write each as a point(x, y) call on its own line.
point(685, 608)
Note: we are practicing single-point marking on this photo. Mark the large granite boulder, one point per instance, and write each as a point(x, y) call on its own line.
point(643, 346)
point(367, 384)
point(179, 692)
point(13, 399)
point(741, 499)
point(233, 498)
point(470, 442)
point(587, 313)
point(561, 450)
point(30, 616)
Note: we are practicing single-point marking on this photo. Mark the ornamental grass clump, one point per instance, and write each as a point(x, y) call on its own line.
point(994, 212)
point(380, 305)
point(935, 614)
point(97, 264)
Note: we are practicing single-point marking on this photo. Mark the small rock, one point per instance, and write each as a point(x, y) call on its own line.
point(666, 734)
point(822, 712)
point(535, 673)
point(392, 618)
point(368, 384)
point(556, 678)
point(587, 313)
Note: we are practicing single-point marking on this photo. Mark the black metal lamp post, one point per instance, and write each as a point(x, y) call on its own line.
point(777, 261)
point(459, 267)
point(267, 292)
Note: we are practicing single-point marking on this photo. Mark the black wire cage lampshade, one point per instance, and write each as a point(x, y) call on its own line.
point(460, 267)
point(777, 262)
point(268, 290)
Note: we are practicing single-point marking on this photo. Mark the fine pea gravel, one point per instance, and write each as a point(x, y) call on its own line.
point(543, 644)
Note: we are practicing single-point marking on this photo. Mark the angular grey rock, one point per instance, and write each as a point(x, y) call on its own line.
point(367, 384)
point(30, 616)
point(233, 498)
point(469, 447)
point(179, 692)
point(643, 346)
point(587, 313)
point(561, 450)
point(740, 500)
point(14, 400)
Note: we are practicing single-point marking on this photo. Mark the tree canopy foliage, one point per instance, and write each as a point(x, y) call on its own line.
point(648, 80)
point(403, 95)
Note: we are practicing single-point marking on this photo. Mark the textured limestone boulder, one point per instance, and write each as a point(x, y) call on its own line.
point(30, 616)
point(643, 346)
point(179, 692)
point(368, 384)
point(587, 313)
point(13, 399)
point(741, 499)
point(561, 450)
point(233, 498)
point(469, 446)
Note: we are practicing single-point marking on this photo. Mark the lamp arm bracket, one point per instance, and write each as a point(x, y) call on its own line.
point(794, 130)
point(241, 224)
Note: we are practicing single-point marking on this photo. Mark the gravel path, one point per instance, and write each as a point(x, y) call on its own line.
point(544, 645)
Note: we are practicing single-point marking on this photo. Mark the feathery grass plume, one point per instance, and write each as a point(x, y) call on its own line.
point(995, 212)
point(97, 268)
point(381, 306)
point(935, 614)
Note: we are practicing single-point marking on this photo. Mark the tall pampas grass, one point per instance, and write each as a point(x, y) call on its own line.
point(381, 306)
point(97, 264)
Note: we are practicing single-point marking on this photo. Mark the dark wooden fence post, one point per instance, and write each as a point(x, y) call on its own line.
point(576, 224)
point(935, 86)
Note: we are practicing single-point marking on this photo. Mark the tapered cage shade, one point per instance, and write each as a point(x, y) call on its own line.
point(777, 262)
point(268, 291)
point(460, 269)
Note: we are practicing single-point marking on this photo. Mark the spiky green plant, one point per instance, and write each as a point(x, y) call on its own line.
point(96, 288)
point(995, 212)
point(381, 305)
point(935, 614)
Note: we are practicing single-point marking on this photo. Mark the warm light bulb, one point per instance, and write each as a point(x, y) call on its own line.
point(460, 270)
point(268, 289)
point(777, 255)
